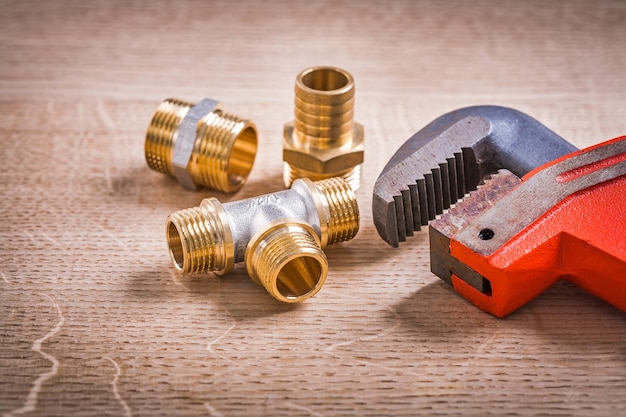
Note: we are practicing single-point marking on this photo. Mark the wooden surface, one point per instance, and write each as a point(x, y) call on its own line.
point(94, 320)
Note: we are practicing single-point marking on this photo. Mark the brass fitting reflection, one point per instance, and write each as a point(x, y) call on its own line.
point(279, 236)
point(201, 145)
point(323, 141)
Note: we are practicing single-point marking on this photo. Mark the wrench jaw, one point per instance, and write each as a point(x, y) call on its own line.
point(449, 157)
point(413, 192)
point(443, 229)
point(385, 220)
point(512, 238)
point(445, 266)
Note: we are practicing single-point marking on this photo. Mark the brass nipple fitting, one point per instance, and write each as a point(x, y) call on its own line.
point(201, 145)
point(279, 236)
point(323, 141)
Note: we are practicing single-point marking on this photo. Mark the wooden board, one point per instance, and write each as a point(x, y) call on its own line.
point(95, 321)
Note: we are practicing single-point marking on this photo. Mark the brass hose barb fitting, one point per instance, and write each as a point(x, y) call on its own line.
point(279, 236)
point(201, 145)
point(323, 141)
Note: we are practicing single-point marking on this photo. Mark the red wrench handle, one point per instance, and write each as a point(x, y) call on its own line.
point(581, 238)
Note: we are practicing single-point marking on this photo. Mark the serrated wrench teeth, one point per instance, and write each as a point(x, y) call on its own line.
point(449, 157)
point(419, 198)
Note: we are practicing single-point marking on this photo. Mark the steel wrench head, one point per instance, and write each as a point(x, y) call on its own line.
point(449, 157)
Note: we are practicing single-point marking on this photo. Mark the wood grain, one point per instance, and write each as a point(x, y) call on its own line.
point(93, 319)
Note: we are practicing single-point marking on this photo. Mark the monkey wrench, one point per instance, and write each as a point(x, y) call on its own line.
point(542, 212)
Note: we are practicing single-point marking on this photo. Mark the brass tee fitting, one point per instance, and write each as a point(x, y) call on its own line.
point(323, 141)
point(201, 145)
point(279, 236)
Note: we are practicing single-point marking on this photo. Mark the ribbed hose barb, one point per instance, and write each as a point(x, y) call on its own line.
point(201, 145)
point(279, 236)
point(323, 141)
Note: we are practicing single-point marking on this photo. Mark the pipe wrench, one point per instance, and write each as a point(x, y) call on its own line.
point(532, 217)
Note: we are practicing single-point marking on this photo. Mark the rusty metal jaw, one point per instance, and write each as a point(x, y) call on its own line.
point(449, 157)
point(442, 230)
point(512, 239)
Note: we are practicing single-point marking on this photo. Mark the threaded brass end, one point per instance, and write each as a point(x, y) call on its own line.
point(324, 141)
point(288, 261)
point(200, 239)
point(161, 134)
point(224, 148)
point(344, 217)
point(352, 176)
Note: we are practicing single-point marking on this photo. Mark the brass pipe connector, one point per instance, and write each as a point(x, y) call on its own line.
point(201, 145)
point(279, 236)
point(323, 141)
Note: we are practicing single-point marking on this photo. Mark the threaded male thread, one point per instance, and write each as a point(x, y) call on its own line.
point(323, 141)
point(344, 217)
point(351, 175)
point(200, 240)
point(288, 261)
point(224, 146)
point(160, 136)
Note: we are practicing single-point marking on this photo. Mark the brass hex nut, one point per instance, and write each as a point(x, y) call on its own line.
point(323, 161)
